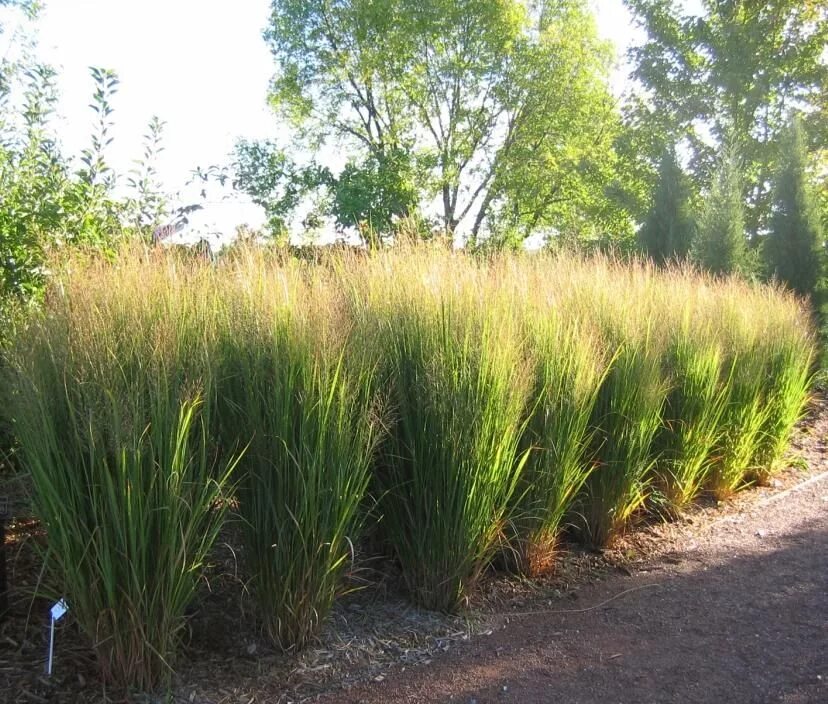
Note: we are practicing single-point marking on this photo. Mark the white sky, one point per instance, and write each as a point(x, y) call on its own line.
point(200, 65)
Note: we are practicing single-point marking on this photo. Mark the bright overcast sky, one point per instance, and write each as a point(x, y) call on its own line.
point(200, 65)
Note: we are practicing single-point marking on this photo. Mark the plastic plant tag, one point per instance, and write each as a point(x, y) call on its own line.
point(59, 609)
point(57, 612)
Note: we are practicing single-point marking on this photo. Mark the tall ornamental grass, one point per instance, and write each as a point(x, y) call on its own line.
point(309, 426)
point(450, 462)
point(787, 384)
point(456, 404)
point(123, 477)
point(745, 413)
point(568, 370)
point(692, 418)
point(770, 350)
point(627, 416)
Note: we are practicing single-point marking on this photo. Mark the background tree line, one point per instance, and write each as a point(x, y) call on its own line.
point(494, 122)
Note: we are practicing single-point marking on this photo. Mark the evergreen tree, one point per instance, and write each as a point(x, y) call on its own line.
point(718, 68)
point(793, 248)
point(721, 242)
point(668, 230)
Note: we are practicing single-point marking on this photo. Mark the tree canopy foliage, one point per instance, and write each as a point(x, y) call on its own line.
point(738, 68)
point(50, 200)
point(495, 117)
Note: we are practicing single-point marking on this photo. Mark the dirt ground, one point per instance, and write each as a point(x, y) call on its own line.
point(728, 604)
point(736, 614)
point(734, 610)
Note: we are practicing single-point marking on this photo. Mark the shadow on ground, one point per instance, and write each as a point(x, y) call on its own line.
point(751, 628)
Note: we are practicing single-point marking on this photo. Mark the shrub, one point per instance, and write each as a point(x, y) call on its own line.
point(667, 232)
point(720, 244)
point(794, 249)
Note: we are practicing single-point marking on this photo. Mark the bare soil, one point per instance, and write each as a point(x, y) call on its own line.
point(738, 614)
point(727, 604)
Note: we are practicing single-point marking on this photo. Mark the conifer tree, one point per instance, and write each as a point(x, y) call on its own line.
point(721, 242)
point(667, 233)
point(794, 247)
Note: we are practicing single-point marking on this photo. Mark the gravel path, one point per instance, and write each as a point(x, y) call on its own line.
point(736, 612)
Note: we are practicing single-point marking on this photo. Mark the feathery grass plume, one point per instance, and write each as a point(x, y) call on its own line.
point(311, 433)
point(118, 455)
point(568, 369)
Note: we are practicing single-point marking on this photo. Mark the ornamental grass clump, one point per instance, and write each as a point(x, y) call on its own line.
point(745, 412)
point(787, 384)
point(692, 418)
point(450, 464)
point(454, 403)
point(310, 425)
point(567, 369)
point(123, 477)
point(742, 422)
point(627, 416)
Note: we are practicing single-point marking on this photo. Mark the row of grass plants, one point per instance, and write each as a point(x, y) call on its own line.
point(466, 413)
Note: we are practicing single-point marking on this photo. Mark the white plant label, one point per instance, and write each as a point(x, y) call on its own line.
point(57, 612)
point(59, 609)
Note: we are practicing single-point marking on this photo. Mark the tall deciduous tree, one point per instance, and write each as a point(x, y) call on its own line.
point(721, 244)
point(490, 107)
point(734, 69)
point(274, 181)
point(561, 166)
point(794, 248)
point(667, 233)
